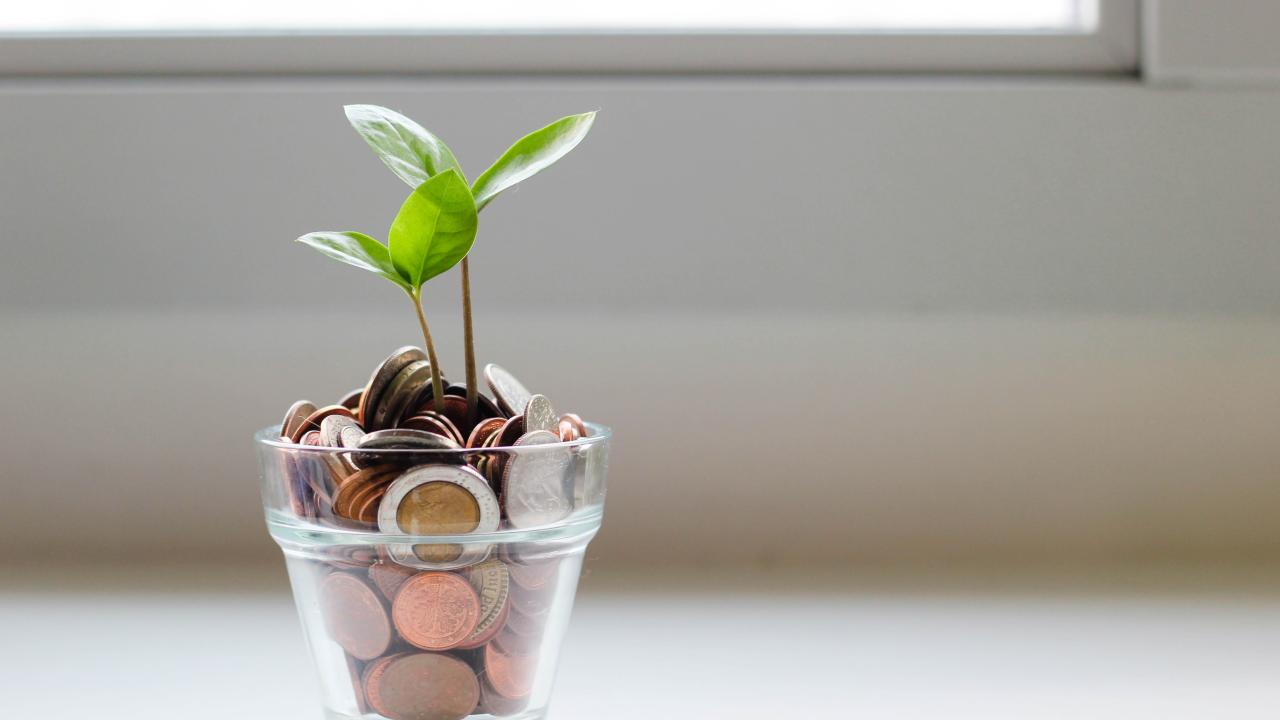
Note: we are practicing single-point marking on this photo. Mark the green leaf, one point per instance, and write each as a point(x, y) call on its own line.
point(356, 249)
point(530, 155)
point(409, 149)
point(434, 228)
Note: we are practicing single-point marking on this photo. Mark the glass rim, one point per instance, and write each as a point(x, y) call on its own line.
point(270, 437)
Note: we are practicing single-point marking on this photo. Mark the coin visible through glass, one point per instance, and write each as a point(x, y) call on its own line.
point(438, 508)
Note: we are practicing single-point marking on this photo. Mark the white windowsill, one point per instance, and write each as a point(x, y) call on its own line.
point(1110, 644)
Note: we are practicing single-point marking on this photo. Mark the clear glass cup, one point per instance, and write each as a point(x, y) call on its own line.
point(435, 626)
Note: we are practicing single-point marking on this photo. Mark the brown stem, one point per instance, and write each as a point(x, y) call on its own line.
point(469, 342)
point(437, 385)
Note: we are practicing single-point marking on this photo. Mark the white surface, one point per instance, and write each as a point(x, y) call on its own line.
point(1122, 645)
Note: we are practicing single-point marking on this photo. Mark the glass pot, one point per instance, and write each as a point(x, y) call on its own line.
point(465, 620)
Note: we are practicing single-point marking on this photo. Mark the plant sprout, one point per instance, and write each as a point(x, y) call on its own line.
point(434, 229)
point(441, 225)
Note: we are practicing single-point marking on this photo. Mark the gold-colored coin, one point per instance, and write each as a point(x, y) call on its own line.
point(438, 508)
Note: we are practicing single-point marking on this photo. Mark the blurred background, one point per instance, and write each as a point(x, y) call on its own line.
point(940, 339)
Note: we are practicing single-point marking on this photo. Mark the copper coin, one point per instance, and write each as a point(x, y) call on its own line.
point(510, 675)
point(483, 430)
point(455, 408)
point(360, 496)
point(382, 377)
point(294, 416)
point(359, 483)
point(388, 577)
point(371, 679)
point(436, 610)
point(339, 468)
point(511, 431)
point(480, 638)
point(432, 422)
point(493, 703)
point(312, 471)
point(577, 423)
point(485, 408)
point(515, 644)
point(424, 686)
point(302, 498)
point(491, 583)
point(354, 616)
point(525, 625)
point(351, 400)
point(566, 431)
point(367, 507)
point(312, 422)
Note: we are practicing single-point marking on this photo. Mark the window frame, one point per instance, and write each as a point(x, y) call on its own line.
point(1112, 48)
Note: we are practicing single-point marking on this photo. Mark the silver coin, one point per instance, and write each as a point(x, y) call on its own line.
point(537, 487)
point(539, 415)
point(382, 377)
point(511, 394)
point(396, 399)
point(338, 430)
point(405, 439)
point(297, 412)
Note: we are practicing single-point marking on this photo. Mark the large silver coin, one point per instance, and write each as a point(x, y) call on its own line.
point(338, 431)
point(539, 415)
point(398, 396)
point(405, 439)
point(382, 377)
point(537, 487)
point(511, 394)
point(399, 439)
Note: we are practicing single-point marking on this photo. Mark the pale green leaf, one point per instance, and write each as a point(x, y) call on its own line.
point(530, 155)
point(356, 249)
point(411, 151)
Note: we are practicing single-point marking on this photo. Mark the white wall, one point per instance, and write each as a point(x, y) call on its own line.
point(873, 319)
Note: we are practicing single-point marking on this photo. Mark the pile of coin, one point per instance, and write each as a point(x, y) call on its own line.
point(423, 486)
point(436, 630)
point(437, 645)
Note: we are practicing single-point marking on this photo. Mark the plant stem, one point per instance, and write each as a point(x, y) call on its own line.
point(437, 385)
point(469, 342)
